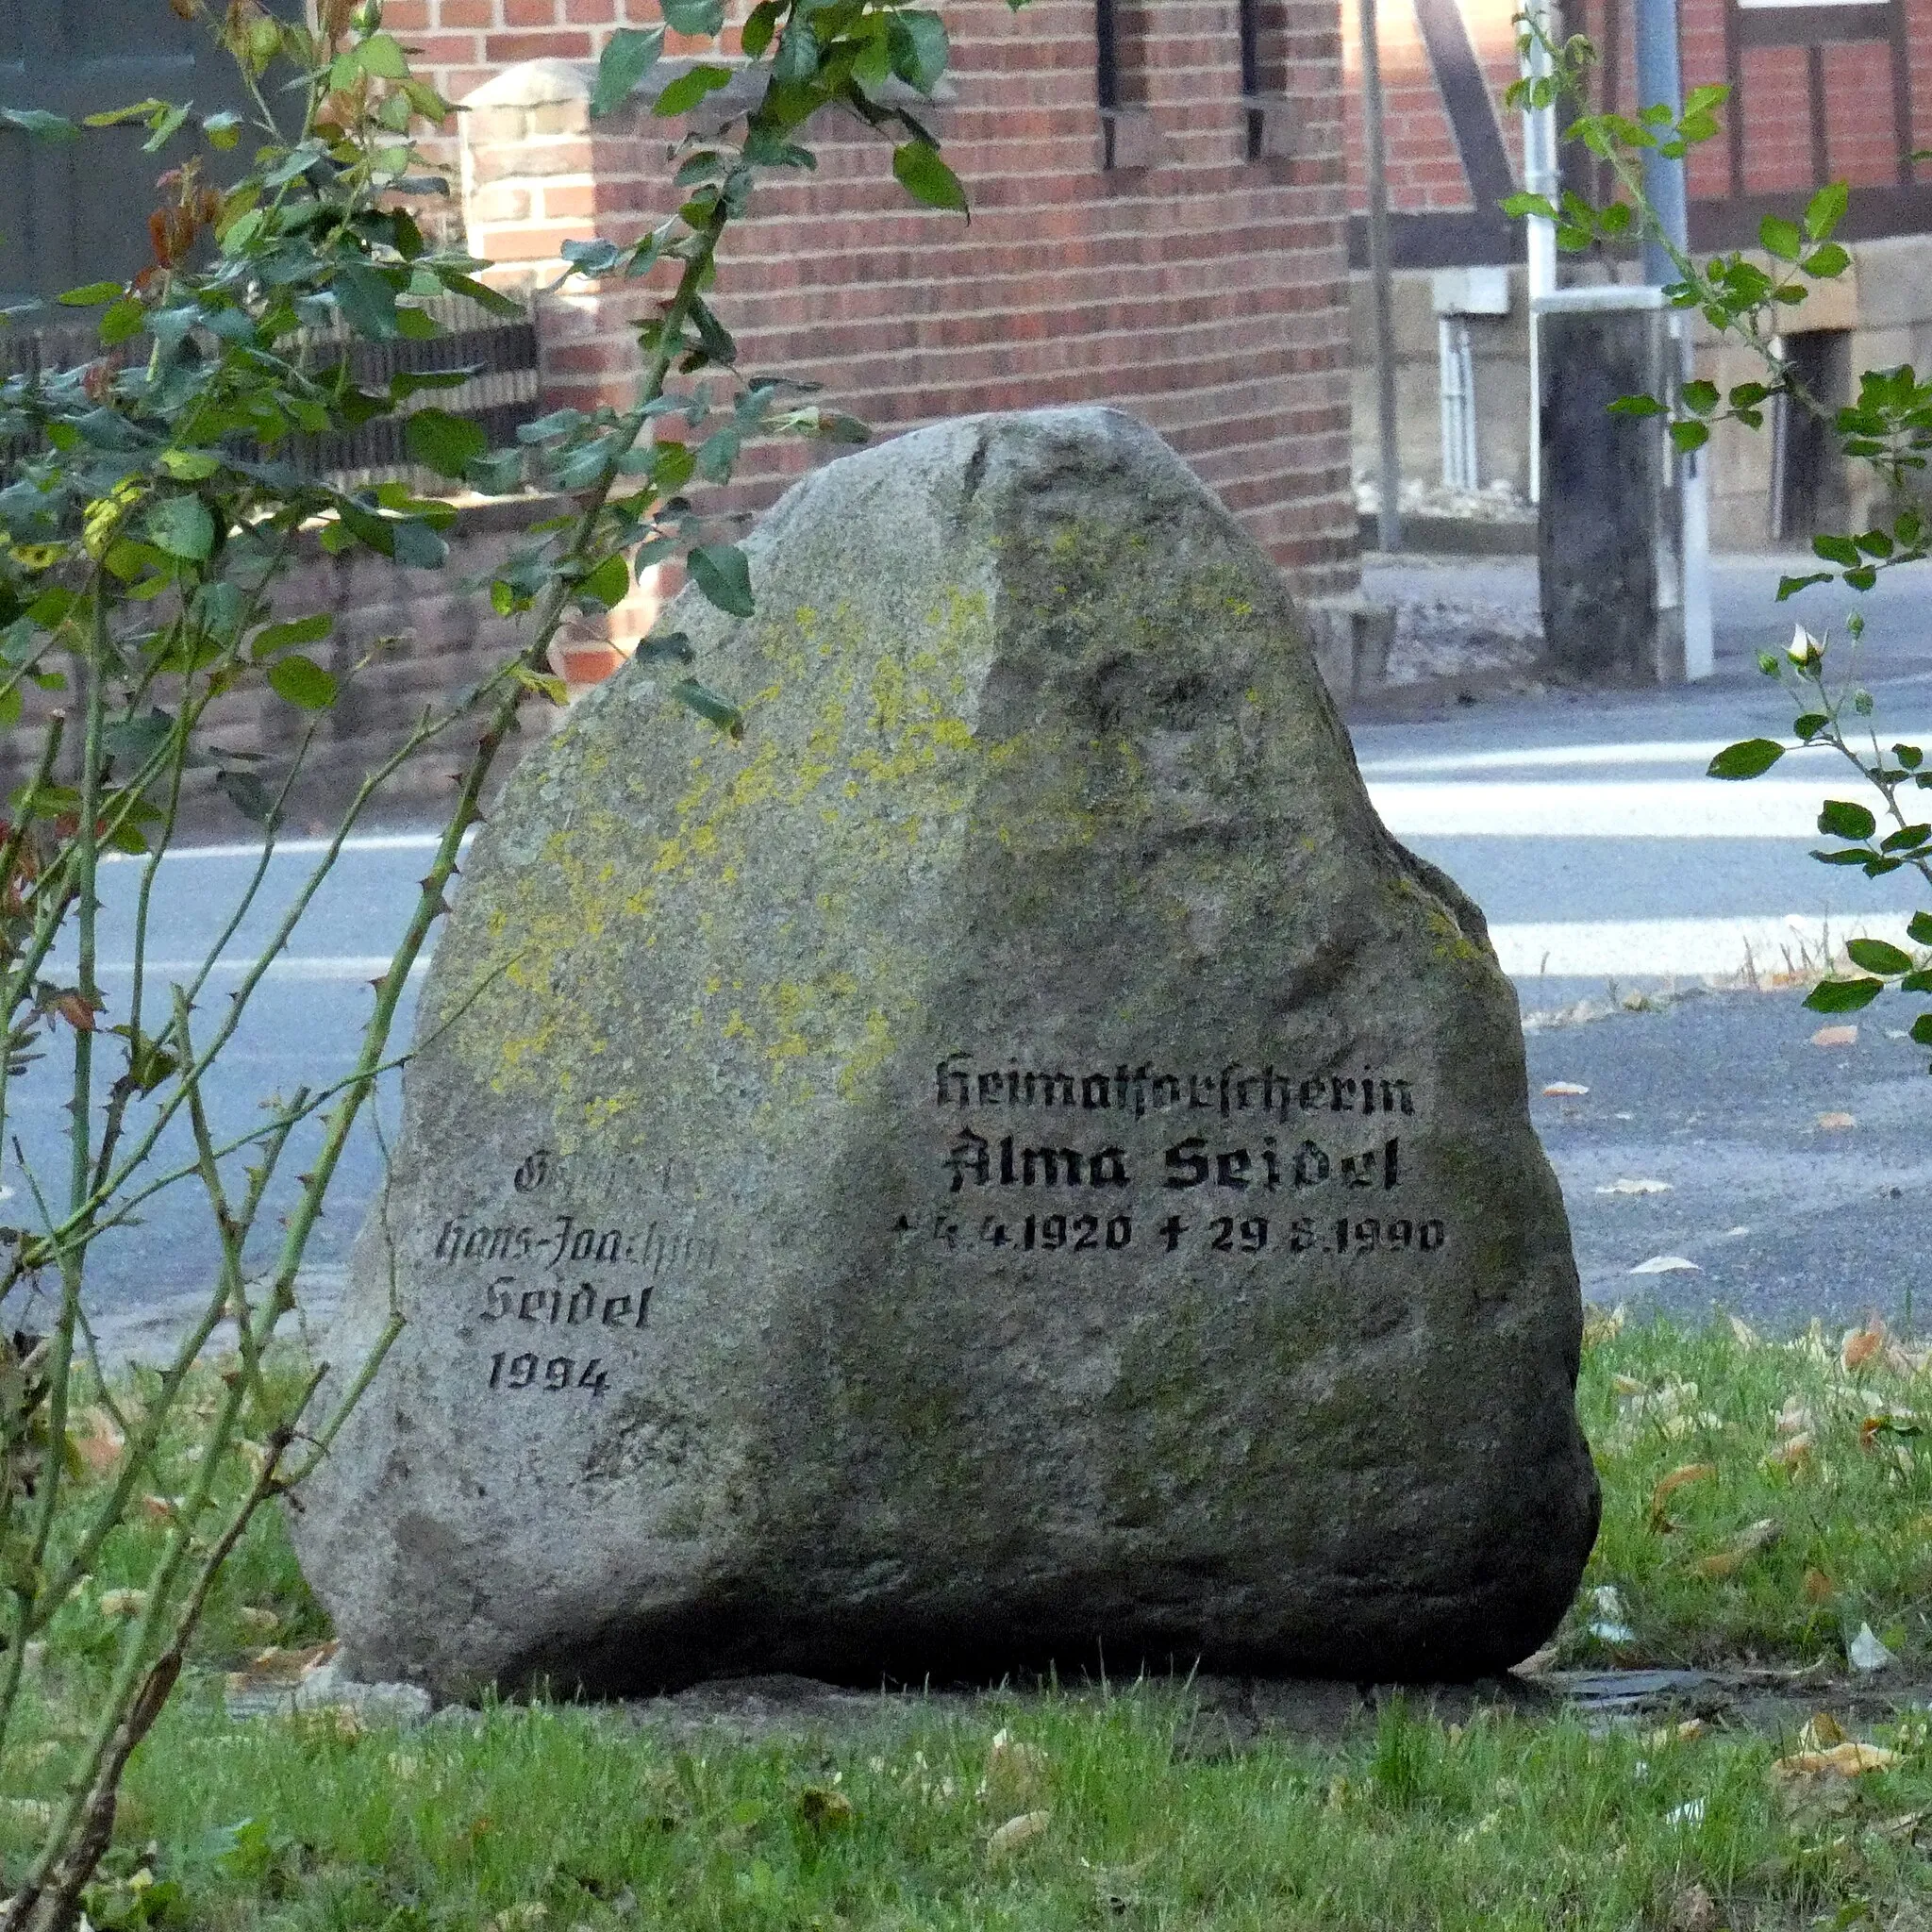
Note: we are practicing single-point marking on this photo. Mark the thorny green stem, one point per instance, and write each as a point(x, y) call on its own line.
point(86, 866)
point(126, 1713)
point(430, 902)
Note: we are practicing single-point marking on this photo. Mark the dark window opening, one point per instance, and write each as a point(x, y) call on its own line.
point(1808, 472)
point(1263, 25)
point(1121, 79)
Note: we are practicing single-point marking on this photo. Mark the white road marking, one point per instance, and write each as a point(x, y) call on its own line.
point(296, 966)
point(1693, 754)
point(1642, 809)
point(1692, 948)
point(296, 848)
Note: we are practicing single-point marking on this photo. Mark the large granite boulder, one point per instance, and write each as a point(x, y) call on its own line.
point(1010, 1162)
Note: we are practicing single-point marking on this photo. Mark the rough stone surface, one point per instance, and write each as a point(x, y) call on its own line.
point(1010, 1162)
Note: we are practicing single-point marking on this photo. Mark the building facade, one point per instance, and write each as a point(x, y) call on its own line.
point(1840, 91)
point(1158, 222)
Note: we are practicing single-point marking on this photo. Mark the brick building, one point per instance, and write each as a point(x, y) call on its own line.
point(1837, 90)
point(1157, 222)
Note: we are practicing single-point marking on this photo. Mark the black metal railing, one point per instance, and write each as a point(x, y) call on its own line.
point(499, 395)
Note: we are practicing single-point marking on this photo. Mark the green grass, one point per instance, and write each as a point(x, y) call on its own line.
point(567, 1816)
point(1849, 1512)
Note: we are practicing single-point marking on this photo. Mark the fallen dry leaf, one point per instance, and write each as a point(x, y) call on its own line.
point(1564, 1089)
point(1835, 1036)
point(1741, 1331)
point(1693, 1910)
point(1016, 1832)
point(1742, 1548)
point(1861, 1345)
point(254, 1618)
point(823, 1808)
point(1836, 1123)
point(160, 1508)
point(1669, 1485)
point(1599, 1328)
point(1840, 1760)
point(1795, 1418)
point(122, 1603)
point(1791, 1453)
point(1822, 1731)
point(271, 1668)
point(1015, 1771)
point(1675, 1734)
point(1629, 1185)
point(1865, 1652)
point(1818, 1588)
point(97, 1441)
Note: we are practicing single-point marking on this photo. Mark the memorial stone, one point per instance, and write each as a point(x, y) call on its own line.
point(1009, 1163)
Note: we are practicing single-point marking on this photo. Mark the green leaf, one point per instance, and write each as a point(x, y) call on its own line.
point(607, 584)
point(223, 130)
point(182, 526)
point(303, 682)
point(382, 56)
point(630, 54)
point(1781, 237)
point(415, 545)
point(1922, 1029)
point(1790, 587)
point(759, 24)
point(1686, 436)
point(721, 572)
point(710, 705)
point(1843, 995)
point(123, 322)
point(1637, 406)
point(1840, 550)
point(1824, 263)
point(920, 49)
point(1826, 210)
point(90, 295)
point(39, 123)
point(1538, 205)
point(443, 442)
point(189, 465)
point(1842, 819)
point(674, 648)
point(491, 301)
point(1810, 725)
point(1749, 760)
point(167, 126)
point(689, 88)
point(797, 58)
point(367, 302)
point(1701, 398)
point(1876, 956)
point(286, 635)
point(923, 175)
point(703, 20)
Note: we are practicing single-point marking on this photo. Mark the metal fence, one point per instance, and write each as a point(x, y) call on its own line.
point(500, 394)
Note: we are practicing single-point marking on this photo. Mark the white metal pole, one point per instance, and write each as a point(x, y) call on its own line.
point(1389, 465)
point(1539, 177)
point(1660, 82)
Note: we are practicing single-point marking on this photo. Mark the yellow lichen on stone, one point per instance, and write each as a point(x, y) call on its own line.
point(881, 743)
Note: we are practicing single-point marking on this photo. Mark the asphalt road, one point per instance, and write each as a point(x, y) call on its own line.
point(1607, 863)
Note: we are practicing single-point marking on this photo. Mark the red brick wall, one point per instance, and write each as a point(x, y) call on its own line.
point(1204, 292)
point(1425, 175)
